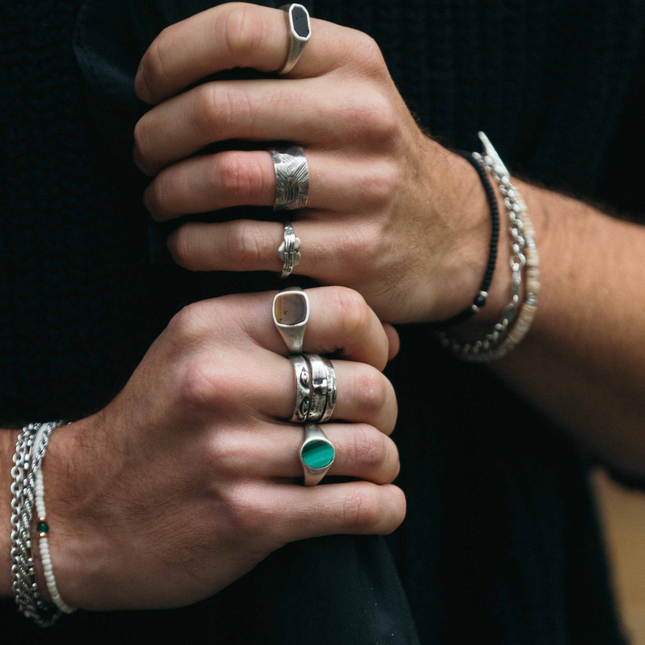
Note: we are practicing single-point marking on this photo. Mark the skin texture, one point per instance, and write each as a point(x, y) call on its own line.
point(391, 213)
point(191, 476)
point(379, 218)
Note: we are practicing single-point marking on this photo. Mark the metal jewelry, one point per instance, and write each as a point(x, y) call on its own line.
point(299, 28)
point(292, 178)
point(316, 454)
point(30, 451)
point(289, 250)
point(303, 389)
point(290, 316)
point(330, 403)
point(319, 387)
point(518, 315)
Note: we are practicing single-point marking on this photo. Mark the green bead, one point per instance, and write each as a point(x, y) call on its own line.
point(317, 454)
point(42, 527)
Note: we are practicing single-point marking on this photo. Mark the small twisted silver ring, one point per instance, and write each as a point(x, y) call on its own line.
point(289, 250)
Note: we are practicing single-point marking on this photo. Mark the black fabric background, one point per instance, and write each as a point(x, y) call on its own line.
point(501, 542)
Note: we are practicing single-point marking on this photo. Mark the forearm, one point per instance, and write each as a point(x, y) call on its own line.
point(583, 361)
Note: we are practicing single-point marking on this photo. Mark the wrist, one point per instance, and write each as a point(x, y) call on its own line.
point(71, 535)
point(464, 270)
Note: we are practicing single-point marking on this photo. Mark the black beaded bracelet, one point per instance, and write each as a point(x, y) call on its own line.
point(480, 299)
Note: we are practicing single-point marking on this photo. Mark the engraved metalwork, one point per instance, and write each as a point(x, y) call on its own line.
point(291, 178)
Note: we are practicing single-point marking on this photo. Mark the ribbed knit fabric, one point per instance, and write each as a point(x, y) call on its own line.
point(500, 543)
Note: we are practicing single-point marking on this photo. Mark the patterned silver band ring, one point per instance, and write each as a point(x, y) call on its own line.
point(289, 250)
point(331, 391)
point(319, 386)
point(299, 27)
point(303, 389)
point(291, 177)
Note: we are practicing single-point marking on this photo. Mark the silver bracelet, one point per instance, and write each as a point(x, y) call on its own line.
point(27, 460)
point(517, 317)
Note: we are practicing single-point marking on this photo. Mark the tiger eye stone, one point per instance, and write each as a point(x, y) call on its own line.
point(290, 308)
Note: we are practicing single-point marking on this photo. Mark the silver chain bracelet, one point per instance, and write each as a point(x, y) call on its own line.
point(27, 460)
point(517, 317)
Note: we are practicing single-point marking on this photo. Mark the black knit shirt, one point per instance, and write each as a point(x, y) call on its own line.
point(501, 542)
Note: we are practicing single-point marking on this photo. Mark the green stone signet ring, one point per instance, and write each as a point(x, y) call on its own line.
point(316, 454)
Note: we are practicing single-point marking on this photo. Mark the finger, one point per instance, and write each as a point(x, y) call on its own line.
point(340, 322)
point(330, 250)
point(308, 111)
point(329, 509)
point(360, 451)
point(393, 339)
point(364, 395)
point(237, 35)
point(234, 178)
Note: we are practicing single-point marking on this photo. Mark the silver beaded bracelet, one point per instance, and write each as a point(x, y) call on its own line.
point(30, 451)
point(517, 317)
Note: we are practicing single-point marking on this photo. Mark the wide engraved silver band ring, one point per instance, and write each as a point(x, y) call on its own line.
point(291, 178)
point(290, 316)
point(319, 387)
point(289, 250)
point(316, 454)
point(330, 403)
point(299, 28)
point(303, 389)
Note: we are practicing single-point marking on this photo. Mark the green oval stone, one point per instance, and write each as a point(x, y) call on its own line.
point(317, 454)
point(42, 527)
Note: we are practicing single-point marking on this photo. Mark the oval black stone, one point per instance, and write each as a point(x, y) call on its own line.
point(300, 21)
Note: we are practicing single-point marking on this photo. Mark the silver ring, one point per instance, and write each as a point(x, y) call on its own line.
point(299, 28)
point(290, 316)
point(289, 250)
point(319, 387)
point(291, 178)
point(331, 391)
point(316, 454)
point(303, 389)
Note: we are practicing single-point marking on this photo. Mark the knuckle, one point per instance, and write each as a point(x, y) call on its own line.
point(364, 246)
point(369, 449)
point(156, 59)
point(400, 507)
point(142, 138)
point(369, 52)
point(379, 119)
point(182, 245)
point(361, 509)
point(383, 183)
point(353, 311)
point(243, 32)
point(370, 391)
point(229, 453)
point(158, 194)
point(208, 100)
point(245, 243)
point(245, 510)
point(197, 386)
point(188, 324)
point(239, 175)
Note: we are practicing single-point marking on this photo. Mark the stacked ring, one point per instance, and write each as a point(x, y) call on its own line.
point(315, 389)
point(303, 389)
